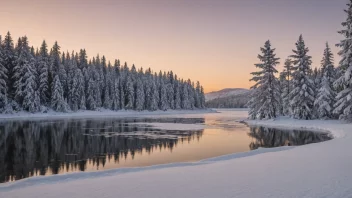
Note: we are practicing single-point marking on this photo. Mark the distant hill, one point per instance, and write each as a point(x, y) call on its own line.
point(227, 98)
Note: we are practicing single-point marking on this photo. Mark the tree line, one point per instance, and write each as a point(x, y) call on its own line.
point(300, 91)
point(37, 80)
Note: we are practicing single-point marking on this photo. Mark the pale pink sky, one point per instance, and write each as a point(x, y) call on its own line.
point(213, 41)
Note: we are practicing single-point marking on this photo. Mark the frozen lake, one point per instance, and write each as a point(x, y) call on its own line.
point(58, 146)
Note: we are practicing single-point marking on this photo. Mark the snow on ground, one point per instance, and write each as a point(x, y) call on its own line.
point(314, 170)
point(100, 113)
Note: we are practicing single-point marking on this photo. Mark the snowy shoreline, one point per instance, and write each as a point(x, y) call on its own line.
point(327, 126)
point(313, 170)
point(100, 113)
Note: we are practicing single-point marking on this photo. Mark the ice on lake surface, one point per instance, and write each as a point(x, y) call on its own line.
point(46, 147)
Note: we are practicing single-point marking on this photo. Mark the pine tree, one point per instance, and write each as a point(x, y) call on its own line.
point(343, 105)
point(302, 94)
point(170, 90)
point(107, 98)
point(23, 70)
point(80, 89)
point(122, 92)
point(154, 97)
point(3, 80)
point(43, 72)
point(54, 67)
point(102, 72)
point(198, 96)
point(31, 100)
point(76, 86)
point(55, 59)
point(147, 87)
point(265, 100)
point(202, 97)
point(64, 79)
point(9, 62)
point(116, 95)
point(139, 105)
point(184, 96)
point(57, 100)
point(83, 62)
point(91, 103)
point(163, 103)
point(191, 94)
point(129, 93)
point(177, 95)
point(326, 94)
point(286, 87)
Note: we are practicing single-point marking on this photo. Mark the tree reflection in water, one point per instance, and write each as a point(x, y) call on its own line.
point(270, 137)
point(29, 148)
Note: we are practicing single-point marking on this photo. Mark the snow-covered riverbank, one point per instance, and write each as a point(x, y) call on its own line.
point(314, 170)
point(100, 113)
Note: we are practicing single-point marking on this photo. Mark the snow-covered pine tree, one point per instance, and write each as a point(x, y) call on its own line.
point(43, 67)
point(122, 91)
point(56, 68)
point(170, 90)
point(116, 95)
point(265, 100)
point(191, 94)
point(23, 69)
point(31, 100)
point(177, 94)
point(57, 99)
point(103, 72)
point(184, 95)
point(122, 86)
point(76, 85)
point(198, 96)
point(147, 87)
point(3, 80)
point(107, 101)
point(286, 87)
point(202, 97)
point(95, 73)
point(116, 86)
point(316, 77)
point(326, 94)
point(343, 105)
point(302, 94)
point(111, 87)
point(9, 62)
point(129, 92)
point(117, 67)
point(91, 103)
point(55, 59)
point(108, 88)
point(83, 61)
point(154, 97)
point(80, 89)
point(64, 80)
point(65, 69)
point(163, 103)
point(139, 104)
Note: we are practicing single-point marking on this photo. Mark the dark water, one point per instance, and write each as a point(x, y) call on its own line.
point(32, 148)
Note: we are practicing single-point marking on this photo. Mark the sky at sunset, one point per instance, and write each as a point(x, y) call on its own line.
point(213, 41)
